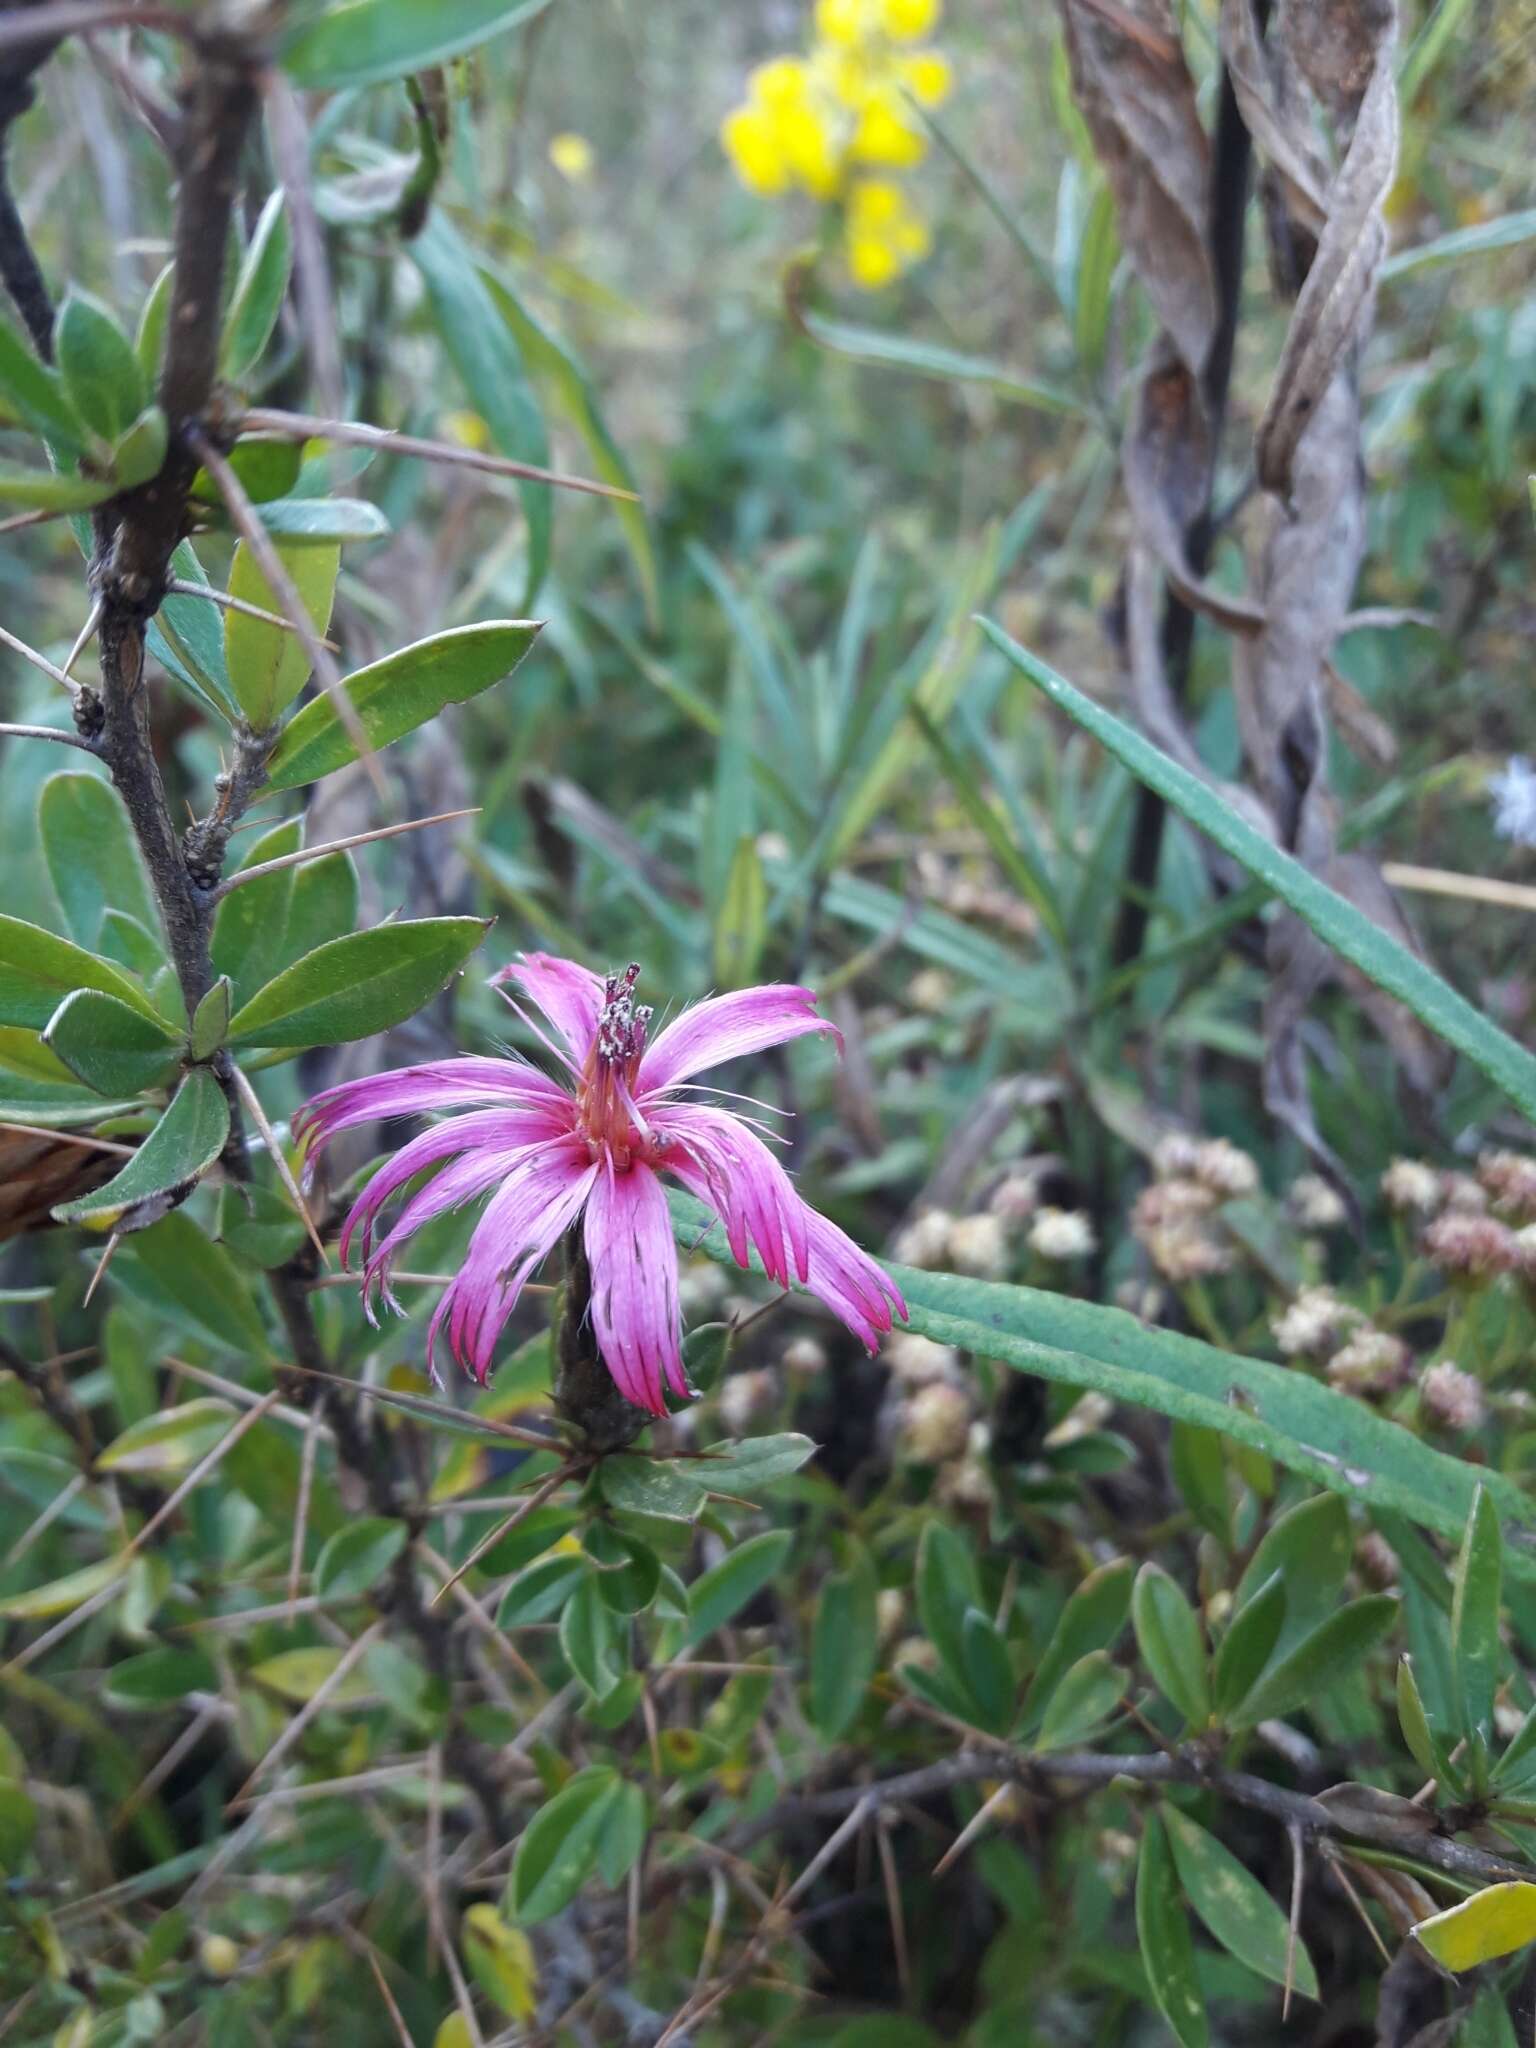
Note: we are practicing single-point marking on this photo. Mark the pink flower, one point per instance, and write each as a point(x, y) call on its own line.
point(593, 1146)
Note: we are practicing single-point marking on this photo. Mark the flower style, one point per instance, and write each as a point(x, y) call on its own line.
point(591, 1147)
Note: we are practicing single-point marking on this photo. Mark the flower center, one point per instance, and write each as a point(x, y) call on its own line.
point(608, 1118)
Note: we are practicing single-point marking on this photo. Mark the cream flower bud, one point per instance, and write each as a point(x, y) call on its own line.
point(1410, 1185)
point(937, 1423)
point(1450, 1397)
point(1062, 1234)
point(925, 1240)
point(979, 1245)
point(916, 1360)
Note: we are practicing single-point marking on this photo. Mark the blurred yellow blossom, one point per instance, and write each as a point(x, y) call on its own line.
point(572, 156)
point(884, 233)
point(819, 123)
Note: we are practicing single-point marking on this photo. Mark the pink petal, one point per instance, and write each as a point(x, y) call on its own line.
point(828, 1263)
point(734, 1171)
point(489, 1130)
point(540, 1201)
point(570, 996)
point(463, 1180)
point(635, 1314)
point(726, 1028)
point(417, 1091)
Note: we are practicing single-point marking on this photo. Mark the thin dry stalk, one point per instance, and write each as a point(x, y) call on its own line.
point(241, 876)
point(355, 433)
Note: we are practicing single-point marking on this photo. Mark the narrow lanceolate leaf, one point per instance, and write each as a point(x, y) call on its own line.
point(1298, 1421)
point(1248, 1645)
point(1310, 1547)
point(844, 1648)
point(186, 636)
point(210, 1020)
point(166, 1167)
point(931, 359)
point(352, 987)
point(1089, 1694)
point(1490, 1924)
point(100, 371)
point(361, 41)
point(38, 969)
point(40, 490)
point(1171, 1642)
point(392, 697)
point(259, 291)
point(1380, 958)
point(268, 664)
point(1475, 1615)
point(1334, 1649)
point(139, 454)
point(116, 1050)
point(1091, 1620)
point(1235, 1907)
point(169, 1441)
point(251, 923)
point(1424, 1746)
point(559, 1845)
point(93, 858)
point(719, 1594)
point(61, 1596)
point(35, 395)
point(1167, 1953)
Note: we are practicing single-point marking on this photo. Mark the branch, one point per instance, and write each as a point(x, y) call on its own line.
point(1187, 1766)
point(19, 268)
point(23, 28)
point(49, 732)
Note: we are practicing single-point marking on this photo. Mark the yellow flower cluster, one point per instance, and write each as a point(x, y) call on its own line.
point(824, 122)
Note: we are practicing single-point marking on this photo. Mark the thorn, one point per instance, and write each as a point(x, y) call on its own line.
point(37, 660)
point(307, 853)
point(86, 636)
point(1298, 1850)
point(106, 1259)
point(240, 604)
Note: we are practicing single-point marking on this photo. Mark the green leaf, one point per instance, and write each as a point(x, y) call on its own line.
point(1097, 255)
point(210, 1020)
point(184, 1267)
point(559, 1846)
point(357, 1557)
point(268, 665)
point(1091, 1620)
point(251, 922)
point(1088, 1694)
point(1198, 1462)
point(589, 1639)
point(258, 1225)
point(155, 1678)
point(297, 1675)
point(720, 1593)
point(62, 1596)
point(186, 636)
point(930, 359)
point(1235, 1907)
point(651, 1486)
point(352, 987)
point(749, 1465)
point(393, 696)
point(149, 341)
point(501, 1961)
point(629, 1571)
point(112, 1049)
point(100, 371)
point(1380, 958)
point(1508, 231)
point(946, 1589)
point(1475, 1616)
point(1492, 1923)
point(1333, 1649)
point(1424, 1746)
point(324, 905)
point(1248, 1645)
point(35, 394)
point(543, 1590)
point(741, 927)
point(564, 381)
point(166, 1167)
point(845, 1647)
point(170, 1441)
point(265, 469)
point(259, 291)
point(359, 42)
point(38, 969)
point(140, 453)
point(623, 1836)
point(40, 490)
point(1172, 1643)
point(484, 350)
point(18, 1826)
point(988, 1674)
point(93, 858)
point(321, 522)
point(1162, 1927)
point(1311, 1547)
